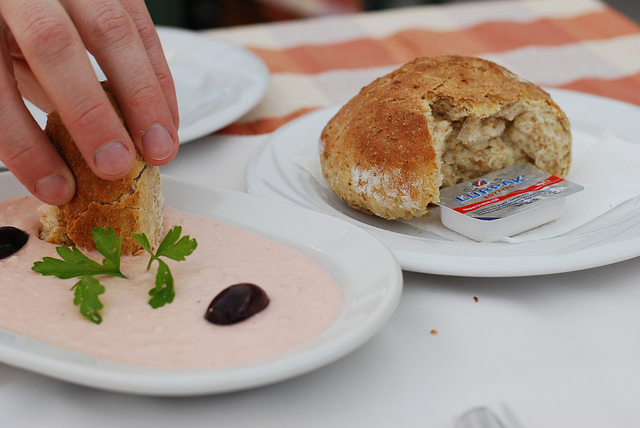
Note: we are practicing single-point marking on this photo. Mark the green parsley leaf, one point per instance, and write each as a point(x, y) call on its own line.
point(86, 294)
point(164, 291)
point(143, 241)
point(109, 245)
point(174, 248)
point(75, 264)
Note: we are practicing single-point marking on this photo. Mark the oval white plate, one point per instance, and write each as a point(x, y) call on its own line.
point(272, 171)
point(369, 276)
point(216, 82)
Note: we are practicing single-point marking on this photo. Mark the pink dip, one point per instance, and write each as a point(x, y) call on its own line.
point(304, 298)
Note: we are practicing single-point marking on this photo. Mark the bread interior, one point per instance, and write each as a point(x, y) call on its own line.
point(469, 145)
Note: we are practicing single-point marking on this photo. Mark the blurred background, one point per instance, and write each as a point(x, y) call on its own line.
point(200, 14)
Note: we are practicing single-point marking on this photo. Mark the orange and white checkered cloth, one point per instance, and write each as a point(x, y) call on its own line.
point(582, 45)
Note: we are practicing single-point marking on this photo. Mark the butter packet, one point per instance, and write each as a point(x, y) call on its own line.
point(504, 203)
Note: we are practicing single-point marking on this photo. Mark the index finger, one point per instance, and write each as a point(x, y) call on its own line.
point(24, 148)
point(57, 57)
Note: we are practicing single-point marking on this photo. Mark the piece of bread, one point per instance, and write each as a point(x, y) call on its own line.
point(133, 204)
point(435, 122)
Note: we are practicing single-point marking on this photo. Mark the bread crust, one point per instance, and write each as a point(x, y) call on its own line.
point(435, 122)
point(133, 204)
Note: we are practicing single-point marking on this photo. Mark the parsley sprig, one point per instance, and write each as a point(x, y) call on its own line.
point(172, 248)
point(75, 264)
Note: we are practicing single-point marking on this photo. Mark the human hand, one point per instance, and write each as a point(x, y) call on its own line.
point(43, 58)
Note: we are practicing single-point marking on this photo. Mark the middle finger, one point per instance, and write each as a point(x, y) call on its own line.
point(111, 35)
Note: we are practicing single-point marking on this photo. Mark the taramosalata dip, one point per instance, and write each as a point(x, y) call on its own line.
point(304, 298)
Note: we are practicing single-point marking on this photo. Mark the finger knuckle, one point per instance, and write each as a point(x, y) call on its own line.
point(111, 24)
point(145, 28)
point(165, 79)
point(88, 112)
point(47, 35)
point(143, 96)
point(21, 153)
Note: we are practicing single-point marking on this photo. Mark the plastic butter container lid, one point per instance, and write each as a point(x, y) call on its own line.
point(504, 203)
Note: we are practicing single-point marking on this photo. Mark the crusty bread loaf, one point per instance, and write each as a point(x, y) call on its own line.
point(133, 204)
point(435, 122)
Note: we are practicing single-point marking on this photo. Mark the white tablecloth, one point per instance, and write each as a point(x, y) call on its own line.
point(558, 350)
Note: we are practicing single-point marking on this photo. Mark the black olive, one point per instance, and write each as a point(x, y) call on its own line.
point(11, 240)
point(236, 303)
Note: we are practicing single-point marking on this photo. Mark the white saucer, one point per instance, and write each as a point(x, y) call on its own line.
point(275, 171)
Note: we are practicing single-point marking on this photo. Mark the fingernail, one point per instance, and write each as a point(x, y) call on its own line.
point(112, 158)
point(53, 189)
point(157, 143)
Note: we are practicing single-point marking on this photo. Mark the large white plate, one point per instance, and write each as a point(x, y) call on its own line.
point(273, 172)
point(369, 276)
point(216, 82)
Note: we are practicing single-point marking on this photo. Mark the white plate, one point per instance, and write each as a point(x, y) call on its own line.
point(369, 276)
point(216, 82)
point(273, 172)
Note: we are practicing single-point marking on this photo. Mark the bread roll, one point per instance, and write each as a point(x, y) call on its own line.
point(435, 122)
point(131, 204)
